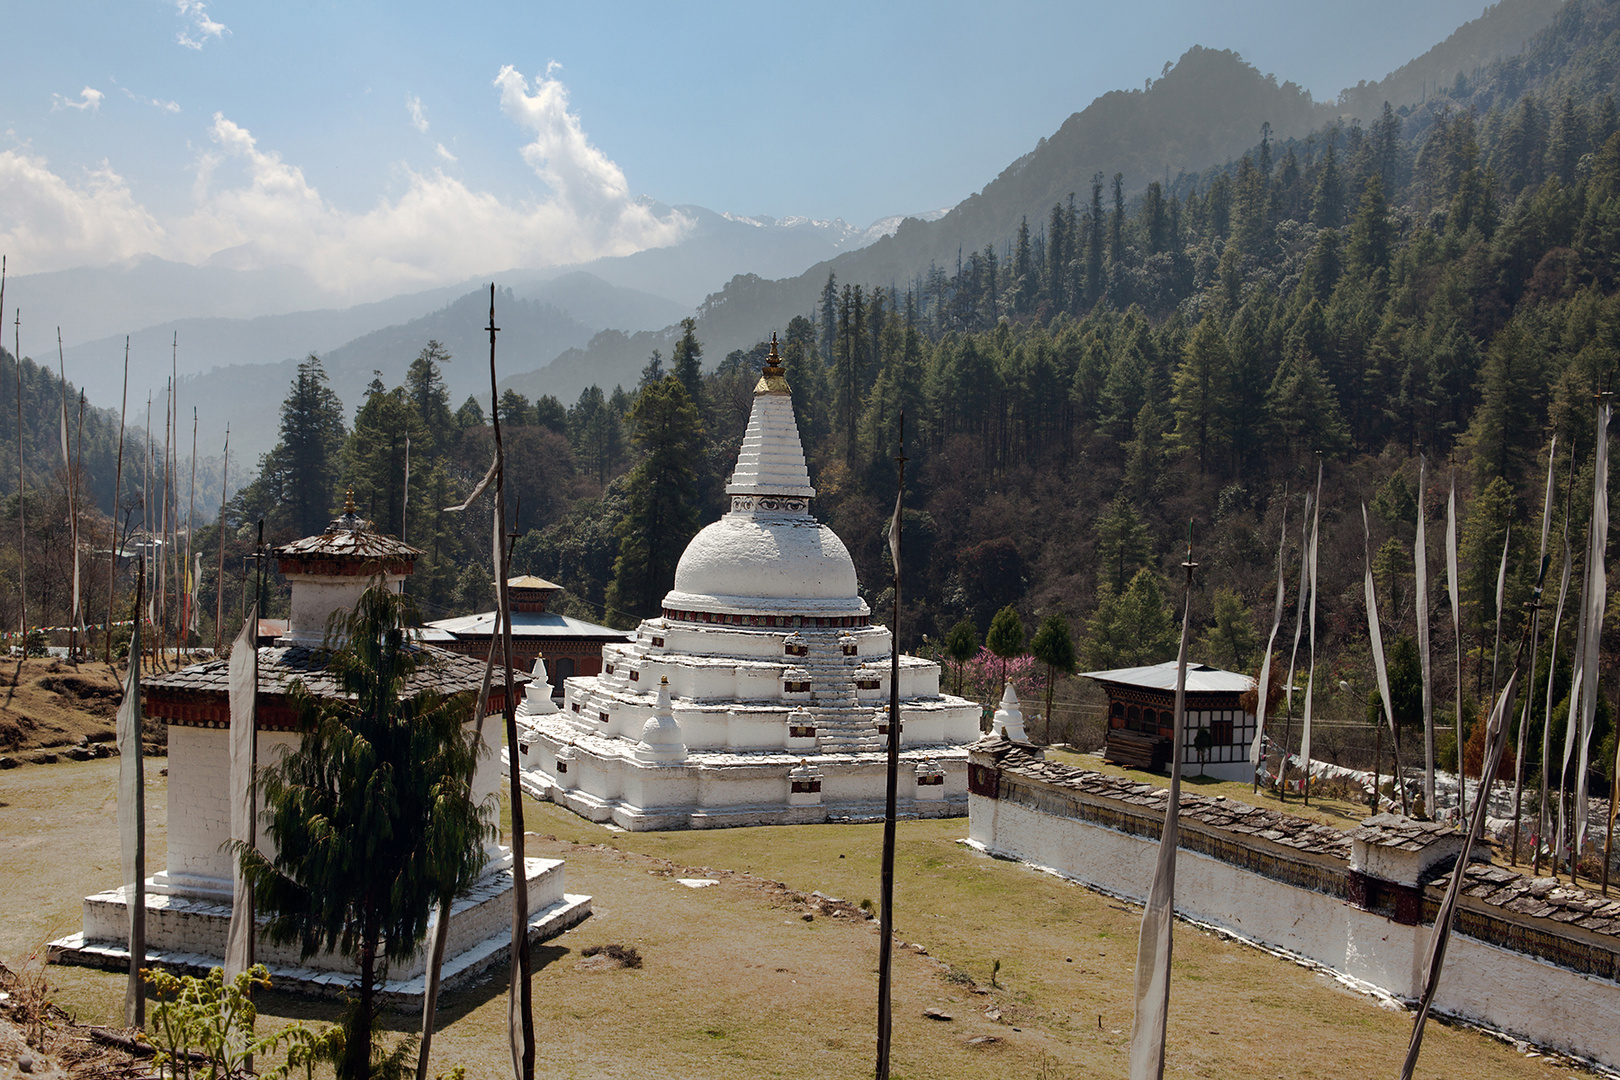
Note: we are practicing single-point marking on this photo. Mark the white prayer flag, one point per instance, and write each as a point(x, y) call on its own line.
point(244, 671)
point(1595, 599)
point(132, 826)
point(1154, 947)
point(1265, 665)
point(1375, 634)
point(1310, 679)
point(1420, 564)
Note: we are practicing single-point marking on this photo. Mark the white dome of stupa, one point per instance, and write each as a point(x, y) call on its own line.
point(768, 556)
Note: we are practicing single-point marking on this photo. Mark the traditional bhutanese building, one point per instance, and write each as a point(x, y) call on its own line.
point(1141, 718)
point(188, 902)
point(760, 691)
point(569, 646)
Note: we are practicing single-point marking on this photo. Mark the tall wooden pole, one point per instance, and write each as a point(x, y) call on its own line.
point(891, 790)
point(22, 525)
point(219, 574)
point(79, 632)
point(118, 494)
point(191, 527)
point(520, 993)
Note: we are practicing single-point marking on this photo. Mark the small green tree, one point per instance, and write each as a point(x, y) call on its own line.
point(1054, 647)
point(961, 643)
point(1005, 637)
point(1231, 641)
point(1132, 628)
point(371, 814)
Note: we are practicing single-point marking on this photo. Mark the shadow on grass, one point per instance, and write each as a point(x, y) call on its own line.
point(453, 1004)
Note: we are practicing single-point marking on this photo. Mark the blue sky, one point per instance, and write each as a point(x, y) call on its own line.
point(379, 146)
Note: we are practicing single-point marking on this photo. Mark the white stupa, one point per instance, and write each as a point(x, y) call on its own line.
point(757, 696)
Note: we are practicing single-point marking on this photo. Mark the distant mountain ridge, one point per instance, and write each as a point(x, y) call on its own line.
point(1206, 110)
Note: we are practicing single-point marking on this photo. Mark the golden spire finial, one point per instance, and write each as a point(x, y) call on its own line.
point(348, 501)
point(772, 379)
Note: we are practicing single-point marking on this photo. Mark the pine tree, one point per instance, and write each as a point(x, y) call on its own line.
point(1054, 647)
point(1005, 637)
point(297, 485)
point(961, 645)
point(370, 813)
point(425, 386)
point(661, 508)
point(686, 362)
point(1024, 283)
point(1133, 628)
point(829, 318)
point(1202, 395)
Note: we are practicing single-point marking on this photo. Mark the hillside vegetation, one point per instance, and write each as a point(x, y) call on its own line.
point(1439, 283)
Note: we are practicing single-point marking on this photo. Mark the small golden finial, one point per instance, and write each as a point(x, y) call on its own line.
point(772, 379)
point(348, 501)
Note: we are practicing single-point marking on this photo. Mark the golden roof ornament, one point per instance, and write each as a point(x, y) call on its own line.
point(772, 380)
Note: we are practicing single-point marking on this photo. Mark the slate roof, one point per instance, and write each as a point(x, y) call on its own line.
point(1201, 678)
point(530, 624)
point(348, 537)
point(1539, 897)
point(1500, 887)
point(1402, 833)
point(281, 665)
point(1216, 812)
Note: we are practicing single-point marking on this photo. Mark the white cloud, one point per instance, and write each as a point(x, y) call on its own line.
point(413, 105)
point(157, 103)
point(203, 26)
point(49, 224)
point(248, 200)
point(89, 101)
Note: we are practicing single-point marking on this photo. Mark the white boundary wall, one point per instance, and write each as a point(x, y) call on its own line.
point(1501, 989)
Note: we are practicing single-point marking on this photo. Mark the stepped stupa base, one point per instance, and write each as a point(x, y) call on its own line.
point(186, 933)
point(716, 790)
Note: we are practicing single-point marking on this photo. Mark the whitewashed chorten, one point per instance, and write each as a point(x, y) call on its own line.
point(763, 677)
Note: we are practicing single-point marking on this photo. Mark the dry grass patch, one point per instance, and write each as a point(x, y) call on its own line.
point(736, 983)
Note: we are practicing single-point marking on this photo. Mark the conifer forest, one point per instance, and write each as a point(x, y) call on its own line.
point(1438, 285)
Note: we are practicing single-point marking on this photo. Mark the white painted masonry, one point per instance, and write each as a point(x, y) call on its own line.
point(1500, 988)
point(763, 658)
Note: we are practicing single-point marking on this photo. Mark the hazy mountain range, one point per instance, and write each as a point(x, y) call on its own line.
point(241, 333)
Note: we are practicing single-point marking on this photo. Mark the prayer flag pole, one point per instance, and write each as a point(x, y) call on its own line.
point(1494, 738)
point(1420, 565)
point(521, 1020)
point(132, 821)
point(219, 573)
point(1154, 947)
point(1376, 636)
point(886, 911)
point(1256, 755)
point(118, 492)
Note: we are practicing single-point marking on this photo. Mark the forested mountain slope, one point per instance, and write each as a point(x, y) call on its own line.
point(1207, 109)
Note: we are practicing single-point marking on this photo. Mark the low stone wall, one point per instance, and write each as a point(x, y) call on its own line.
point(1529, 957)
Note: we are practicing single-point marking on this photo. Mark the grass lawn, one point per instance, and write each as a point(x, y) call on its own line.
point(736, 983)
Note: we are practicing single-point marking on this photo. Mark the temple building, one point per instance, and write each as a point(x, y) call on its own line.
point(569, 646)
point(1141, 718)
point(760, 692)
point(188, 901)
